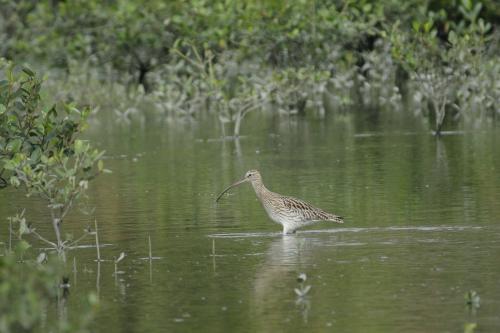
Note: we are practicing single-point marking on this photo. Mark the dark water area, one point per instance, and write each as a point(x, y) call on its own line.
point(422, 227)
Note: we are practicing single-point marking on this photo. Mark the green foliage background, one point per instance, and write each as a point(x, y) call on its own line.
point(138, 36)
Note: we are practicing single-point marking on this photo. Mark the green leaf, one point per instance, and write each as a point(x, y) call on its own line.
point(467, 4)
point(416, 26)
point(100, 165)
point(477, 9)
point(427, 26)
point(2, 109)
point(9, 165)
point(452, 37)
point(35, 155)
point(22, 246)
point(52, 112)
point(14, 181)
point(79, 146)
point(28, 71)
point(14, 145)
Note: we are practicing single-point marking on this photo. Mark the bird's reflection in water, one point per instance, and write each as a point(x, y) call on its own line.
point(275, 280)
point(303, 304)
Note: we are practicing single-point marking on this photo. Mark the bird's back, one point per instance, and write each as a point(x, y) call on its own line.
point(293, 209)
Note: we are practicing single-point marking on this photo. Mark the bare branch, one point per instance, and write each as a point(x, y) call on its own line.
point(40, 237)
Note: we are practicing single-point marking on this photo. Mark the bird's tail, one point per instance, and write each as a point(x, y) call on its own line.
point(336, 219)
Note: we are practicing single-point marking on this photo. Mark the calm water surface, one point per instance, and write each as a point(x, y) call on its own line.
point(422, 228)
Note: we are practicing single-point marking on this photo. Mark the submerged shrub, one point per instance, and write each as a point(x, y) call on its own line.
point(28, 287)
point(284, 56)
point(458, 77)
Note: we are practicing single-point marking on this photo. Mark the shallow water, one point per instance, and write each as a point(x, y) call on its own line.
point(422, 227)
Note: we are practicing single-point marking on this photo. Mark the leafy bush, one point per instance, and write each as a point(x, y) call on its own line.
point(344, 51)
point(38, 146)
point(458, 77)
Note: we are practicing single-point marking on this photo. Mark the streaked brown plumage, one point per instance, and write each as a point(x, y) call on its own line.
point(290, 212)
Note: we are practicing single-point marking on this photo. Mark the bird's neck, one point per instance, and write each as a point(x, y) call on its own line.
point(259, 188)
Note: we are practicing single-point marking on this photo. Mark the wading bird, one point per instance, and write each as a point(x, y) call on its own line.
point(290, 212)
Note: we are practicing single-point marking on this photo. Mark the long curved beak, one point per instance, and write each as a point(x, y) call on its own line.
point(239, 182)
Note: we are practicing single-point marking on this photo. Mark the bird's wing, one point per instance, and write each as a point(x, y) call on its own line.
point(308, 211)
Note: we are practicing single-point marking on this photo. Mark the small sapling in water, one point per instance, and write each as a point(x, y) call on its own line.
point(117, 260)
point(472, 299)
point(302, 290)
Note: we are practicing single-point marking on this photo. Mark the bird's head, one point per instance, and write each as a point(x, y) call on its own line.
point(250, 176)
